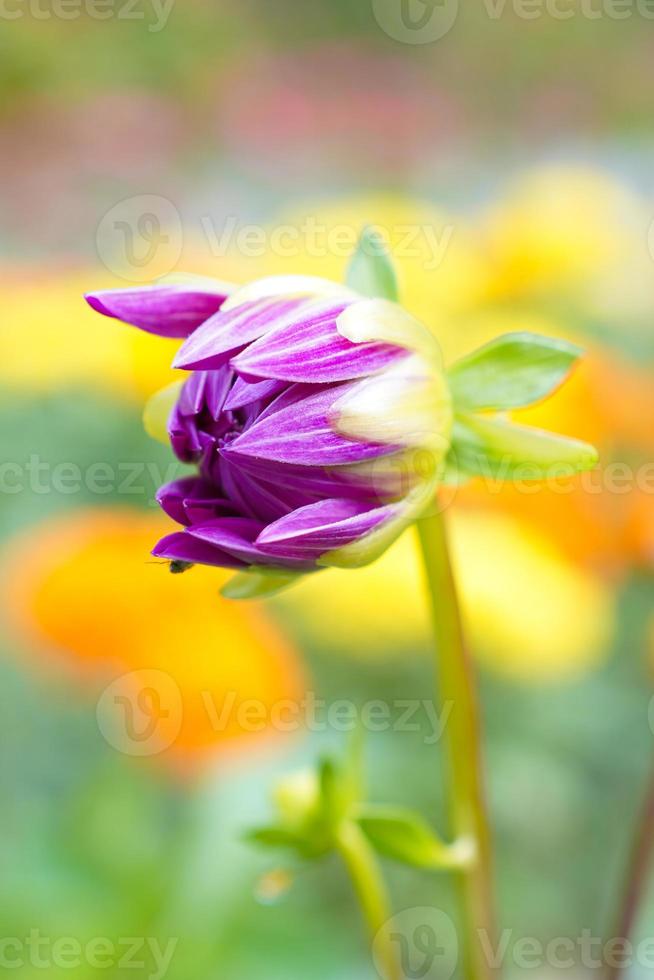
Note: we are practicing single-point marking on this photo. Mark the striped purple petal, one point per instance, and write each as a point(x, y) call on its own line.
point(316, 481)
point(169, 311)
point(192, 500)
point(181, 546)
point(311, 531)
point(302, 434)
point(191, 398)
point(236, 536)
point(311, 349)
point(246, 393)
point(184, 436)
point(230, 330)
point(259, 498)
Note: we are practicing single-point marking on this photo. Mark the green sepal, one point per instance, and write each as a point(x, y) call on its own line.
point(341, 781)
point(405, 836)
point(259, 582)
point(512, 371)
point(499, 449)
point(157, 411)
point(312, 805)
point(371, 271)
point(275, 836)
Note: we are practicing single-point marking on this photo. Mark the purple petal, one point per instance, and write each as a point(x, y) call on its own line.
point(236, 536)
point(256, 498)
point(180, 546)
point(205, 389)
point(216, 390)
point(290, 395)
point(311, 531)
point(171, 497)
point(169, 311)
point(192, 500)
point(310, 481)
point(244, 393)
point(311, 349)
point(230, 330)
point(191, 397)
point(184, 436)
point(302, 434)
point(199, 510)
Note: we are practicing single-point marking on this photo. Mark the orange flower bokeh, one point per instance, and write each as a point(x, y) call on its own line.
point(84, 587)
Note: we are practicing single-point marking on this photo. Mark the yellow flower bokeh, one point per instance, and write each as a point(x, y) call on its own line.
point(533, 615)
point(551, 241)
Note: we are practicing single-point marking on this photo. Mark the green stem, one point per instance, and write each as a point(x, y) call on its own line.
point(468, 818)
point(637, 875)
point(366, 876)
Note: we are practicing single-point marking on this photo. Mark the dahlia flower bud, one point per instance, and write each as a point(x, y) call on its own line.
point(320, 422)
point(317, 420)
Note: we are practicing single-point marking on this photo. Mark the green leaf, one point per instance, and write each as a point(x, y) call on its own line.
point(502, 450)
point(259, 582)
point(405, 836)
point(157, 411)
point(371, 271)
point(332, 792)
point(276, 836)
point(340, 784)
point(512, 371)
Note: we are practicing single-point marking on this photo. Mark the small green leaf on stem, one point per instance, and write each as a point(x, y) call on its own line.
point(371, 271)
point(406, 837)
point(512, 371)
point(498, 449)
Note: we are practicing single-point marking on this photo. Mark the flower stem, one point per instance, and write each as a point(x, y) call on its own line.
point(370, 887)
point(637, 874)
point(468, 817)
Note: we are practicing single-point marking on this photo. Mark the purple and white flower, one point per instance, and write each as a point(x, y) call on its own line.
point(316, 419)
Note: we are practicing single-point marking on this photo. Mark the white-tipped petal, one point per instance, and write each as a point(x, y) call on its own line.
point(287, 286)
point(203, 283)
point(371, 546)
point(409, 404)
point(382, 320)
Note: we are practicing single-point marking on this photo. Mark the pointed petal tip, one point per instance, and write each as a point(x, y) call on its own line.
point(94, 301)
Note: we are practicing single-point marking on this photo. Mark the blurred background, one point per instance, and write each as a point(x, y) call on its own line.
point(505, 151)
